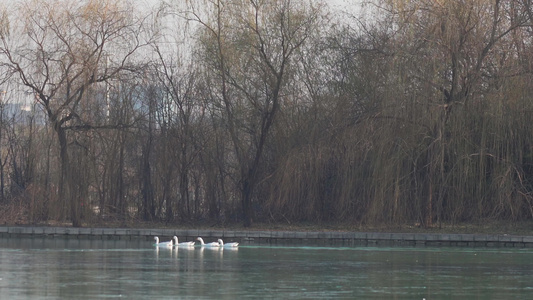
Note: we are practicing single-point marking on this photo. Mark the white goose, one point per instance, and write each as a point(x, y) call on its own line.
point(182, 244)
point(212, 244)
point(162, 244)
point(227, 244)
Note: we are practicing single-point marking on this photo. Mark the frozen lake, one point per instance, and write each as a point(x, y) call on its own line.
point(51, 268)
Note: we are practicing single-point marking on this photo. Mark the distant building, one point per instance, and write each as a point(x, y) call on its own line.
point(21, 113)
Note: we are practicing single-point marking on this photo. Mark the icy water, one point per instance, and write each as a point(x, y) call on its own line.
point(48, 268)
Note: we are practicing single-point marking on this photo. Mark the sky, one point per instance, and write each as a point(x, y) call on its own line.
point(350, 7)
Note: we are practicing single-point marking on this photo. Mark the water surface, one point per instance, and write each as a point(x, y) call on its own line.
point(48, 268)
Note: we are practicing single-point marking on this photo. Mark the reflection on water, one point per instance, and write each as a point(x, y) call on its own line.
point(46, 268)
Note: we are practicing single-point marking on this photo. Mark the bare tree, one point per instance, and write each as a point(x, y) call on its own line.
point(249, 48)
point(58, 49)
point(450, 56)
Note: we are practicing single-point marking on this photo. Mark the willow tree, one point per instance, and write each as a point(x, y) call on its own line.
point(59, 49)
point(450, 56)
point(248, 49)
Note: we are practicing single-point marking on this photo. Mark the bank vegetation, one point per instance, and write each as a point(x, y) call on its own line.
point(278, 111)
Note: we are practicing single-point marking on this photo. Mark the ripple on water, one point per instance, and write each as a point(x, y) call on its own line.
point(84, 270)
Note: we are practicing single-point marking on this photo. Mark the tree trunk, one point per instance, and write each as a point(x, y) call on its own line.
point(247, 191)
point(146, 183)
point(66, 182)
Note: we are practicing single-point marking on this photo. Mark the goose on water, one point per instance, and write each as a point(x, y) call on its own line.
point(162, 244)
point(182, 244)
point(227, 244)
point(212, 244)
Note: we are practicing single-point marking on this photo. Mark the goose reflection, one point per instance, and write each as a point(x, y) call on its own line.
point(230, 249)
point(163, 247)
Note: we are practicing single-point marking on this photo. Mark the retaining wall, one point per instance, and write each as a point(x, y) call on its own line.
point(312, 238)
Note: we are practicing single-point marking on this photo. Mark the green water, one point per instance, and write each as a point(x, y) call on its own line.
point(47, 268)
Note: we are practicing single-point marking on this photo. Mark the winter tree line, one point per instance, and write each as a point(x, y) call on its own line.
point(280, 111)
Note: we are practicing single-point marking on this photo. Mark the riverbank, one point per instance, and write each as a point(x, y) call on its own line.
point(274, 237)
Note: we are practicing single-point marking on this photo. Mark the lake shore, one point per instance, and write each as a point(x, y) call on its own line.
point(299, 235)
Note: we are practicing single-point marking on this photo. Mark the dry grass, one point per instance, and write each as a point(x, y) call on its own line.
point(13, 213)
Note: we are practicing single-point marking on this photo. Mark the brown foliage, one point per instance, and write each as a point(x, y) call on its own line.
point(420, 115)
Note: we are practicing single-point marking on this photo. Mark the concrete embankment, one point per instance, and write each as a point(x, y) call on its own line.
point(312, 238)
